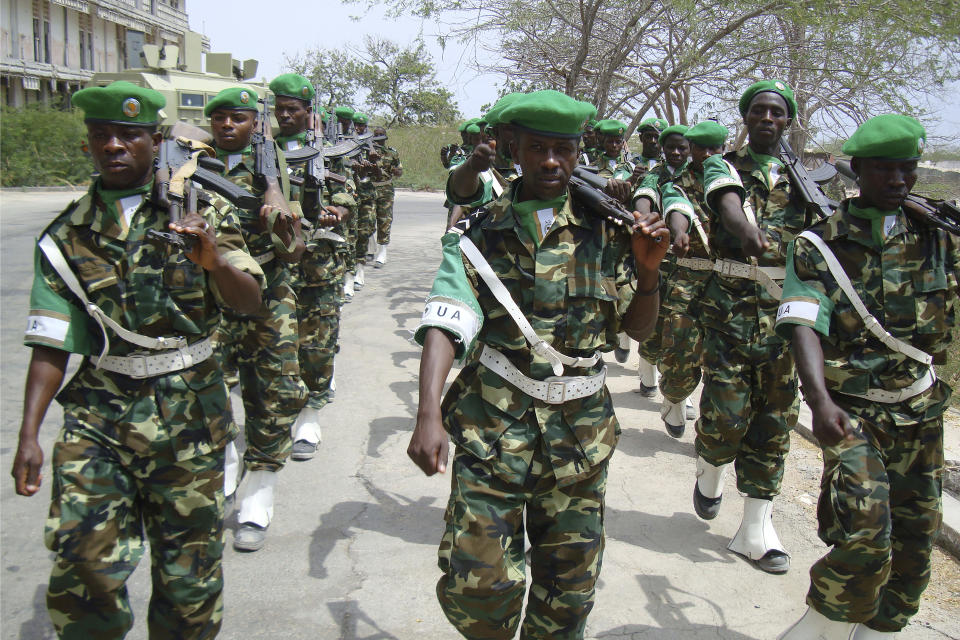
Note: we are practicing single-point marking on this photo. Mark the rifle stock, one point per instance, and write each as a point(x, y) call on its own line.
point(804, 185)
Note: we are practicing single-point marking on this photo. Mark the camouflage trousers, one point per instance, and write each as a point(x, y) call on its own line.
point(107, 493)
point(677, 340)
point(318, 313)
point(482, 551)
point(366, 224)
point(263, 349)
point(384, 213)
point(350, 232)
point(748, 406)
point(879, 510)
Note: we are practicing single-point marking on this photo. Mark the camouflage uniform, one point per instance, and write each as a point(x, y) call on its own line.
point(515, 453)
point(136, 456)
point(368, 202)
point(389, 161)
point(879, 506)
point(317, 282)
point(749, 401)
point(676, 343)
point(263, 347)
point(617, 168)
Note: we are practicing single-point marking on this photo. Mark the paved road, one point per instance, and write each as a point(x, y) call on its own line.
point(352, 551)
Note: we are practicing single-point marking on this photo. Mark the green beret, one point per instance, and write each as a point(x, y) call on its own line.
point(463, 126)
point(472, 128)
point(657, 124)
point(120, 102)
point(774, 86)
point(889, 136)
point(360, 118)
point(237, 98)
point(549, 112)
point(343, 113)
point(592, 123)
point(708, 133)
point(493, 115)
point(678, 129)
point(610, 127)
point(292, 85)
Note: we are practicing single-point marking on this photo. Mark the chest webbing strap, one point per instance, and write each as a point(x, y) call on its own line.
point(556, 359)
point(873, 326)
point(59, 264)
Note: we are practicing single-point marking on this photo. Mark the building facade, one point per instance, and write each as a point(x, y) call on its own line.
point(50, 48)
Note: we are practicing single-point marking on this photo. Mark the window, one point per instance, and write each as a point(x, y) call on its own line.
point(46, 41)
point(36, 40)
point(191, 100)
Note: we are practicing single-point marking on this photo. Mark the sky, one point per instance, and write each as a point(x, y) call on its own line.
point(298, 25)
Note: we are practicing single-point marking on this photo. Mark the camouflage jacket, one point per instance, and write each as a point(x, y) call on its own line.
point(573, 290)
point(323, 261)
point(148, 287)
point(740, 307)
point(617, 168)
point(389, 160)
point(909, 284)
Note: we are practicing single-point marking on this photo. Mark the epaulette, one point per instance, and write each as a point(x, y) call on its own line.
point(65, 214)
point(475, 217)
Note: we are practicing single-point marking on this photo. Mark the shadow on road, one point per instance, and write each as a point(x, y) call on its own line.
point(348, 615)
point(683, 534)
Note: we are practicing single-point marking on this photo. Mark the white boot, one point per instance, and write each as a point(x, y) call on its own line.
point(255, 510)
point(816, 626)
point(689, 411)
point(255, 497)
point(348, 286)
point(756, 538)
point(622, 351)
point(674, 417)
point(306, 434)
point(380, 258)
point(708, 490)
point(231, 469)
point(648, 378)
point(864, 632)
point(358, 280)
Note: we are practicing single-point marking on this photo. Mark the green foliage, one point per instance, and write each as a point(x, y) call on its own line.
point(398, 84)
point(419, 149)
point(42, 146)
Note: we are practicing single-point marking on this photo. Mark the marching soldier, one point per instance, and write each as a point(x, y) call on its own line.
point(388, 168)
point(870, 299)
point(589, 147)
point(146, 416)
point(676, 149)
point(365, 171)
point(749, 403)
point(676, 344)
point(517, 465)
point(318, 277)
point(262, 346)
point(612, 160)
point(649, 131)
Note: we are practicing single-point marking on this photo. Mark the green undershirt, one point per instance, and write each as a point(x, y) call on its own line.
point(525, 210)
point(876, 218)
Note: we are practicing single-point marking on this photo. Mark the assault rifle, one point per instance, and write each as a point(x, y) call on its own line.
point(939, 213)
point(179, 164)
point(807, 185)
point(587, 189)
point(266, 174)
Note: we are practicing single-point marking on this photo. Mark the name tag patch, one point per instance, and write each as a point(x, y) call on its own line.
point(545, 219)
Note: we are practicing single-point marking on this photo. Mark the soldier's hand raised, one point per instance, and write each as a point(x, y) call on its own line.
point(619, 189)
point(482, 157)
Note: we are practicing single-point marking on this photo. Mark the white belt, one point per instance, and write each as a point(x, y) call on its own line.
point(264, 258)
point(764, 276)
point(382, 184)
point(698, 264)
point(553, 390)
point(143, 365)
point(891, 397)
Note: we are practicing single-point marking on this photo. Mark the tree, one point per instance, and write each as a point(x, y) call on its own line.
point(402, 84)
point(847, 59)
point(397, 83)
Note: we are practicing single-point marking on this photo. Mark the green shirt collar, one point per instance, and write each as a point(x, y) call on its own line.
point(299, 137)
point(877, 220)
